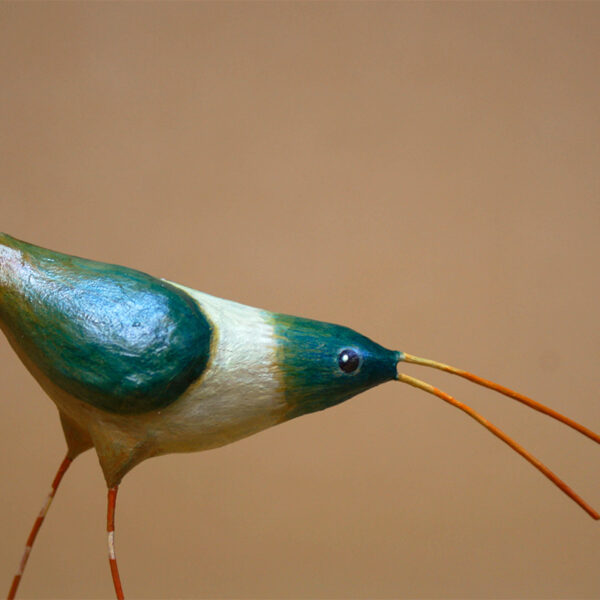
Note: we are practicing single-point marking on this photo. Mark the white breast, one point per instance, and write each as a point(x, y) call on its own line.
point(240, 392)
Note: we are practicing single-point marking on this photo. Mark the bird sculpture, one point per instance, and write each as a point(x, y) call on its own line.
point(139, 366)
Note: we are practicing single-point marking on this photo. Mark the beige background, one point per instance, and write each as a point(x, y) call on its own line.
point(426, 173)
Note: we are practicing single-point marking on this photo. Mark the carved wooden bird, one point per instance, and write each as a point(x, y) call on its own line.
point(139, 366)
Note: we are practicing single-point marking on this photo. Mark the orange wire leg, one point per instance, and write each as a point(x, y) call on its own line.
point(426, 362)
point(507, 440)
point(110, 527)
point(64, 465)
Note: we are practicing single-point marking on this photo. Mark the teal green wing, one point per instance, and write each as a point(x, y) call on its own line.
point(116, 338)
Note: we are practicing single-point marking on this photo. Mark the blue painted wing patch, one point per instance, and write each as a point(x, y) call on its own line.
point(113, 337)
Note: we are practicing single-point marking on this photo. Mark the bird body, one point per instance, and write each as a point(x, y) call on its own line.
point(139, 366)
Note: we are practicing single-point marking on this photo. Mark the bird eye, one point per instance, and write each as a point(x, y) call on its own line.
point(348, 360)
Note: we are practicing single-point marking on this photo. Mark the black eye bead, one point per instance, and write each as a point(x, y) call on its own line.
point(348, 360)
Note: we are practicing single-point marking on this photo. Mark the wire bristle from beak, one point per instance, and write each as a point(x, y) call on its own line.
point(502, 390)
point(505, 438)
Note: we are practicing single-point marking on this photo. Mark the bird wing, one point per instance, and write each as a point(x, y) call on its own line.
point(116, 338)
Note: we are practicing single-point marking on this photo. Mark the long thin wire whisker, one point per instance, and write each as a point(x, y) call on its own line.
point(409, 358)
point(501, 435)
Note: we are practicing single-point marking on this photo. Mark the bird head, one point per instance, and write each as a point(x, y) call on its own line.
point(324, 364)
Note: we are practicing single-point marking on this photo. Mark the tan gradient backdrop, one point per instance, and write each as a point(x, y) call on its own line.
point(425, 173)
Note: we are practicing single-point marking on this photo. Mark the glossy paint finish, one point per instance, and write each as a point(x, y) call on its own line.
point(116, 338)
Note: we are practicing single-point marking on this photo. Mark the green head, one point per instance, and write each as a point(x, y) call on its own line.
point(324, 364)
